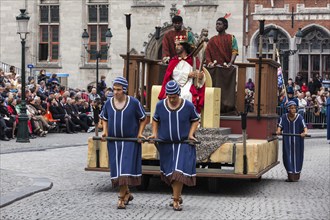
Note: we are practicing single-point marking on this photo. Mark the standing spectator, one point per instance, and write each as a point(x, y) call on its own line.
point(221, 48)
point(302, 104)
point(176, 119)
point(317, 82)
point(293, 146)
point(102, 86)
point(296, 87)
point(311, 86)
point(304, 87)
point(291, 96)
point(123, 111)
point(328, 116)
point(299, 79)
point(42, 76)
point(249, 85)
point(290, 84)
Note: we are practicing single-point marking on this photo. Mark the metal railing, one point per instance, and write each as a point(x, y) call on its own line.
point(312, 115)
point(6, 68)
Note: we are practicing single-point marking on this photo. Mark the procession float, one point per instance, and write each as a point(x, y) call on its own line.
point(234, 143)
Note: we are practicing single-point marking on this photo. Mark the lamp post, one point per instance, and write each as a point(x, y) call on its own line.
point(157, 36)
point(273, 37)
point(22, 130)
point(98, 53)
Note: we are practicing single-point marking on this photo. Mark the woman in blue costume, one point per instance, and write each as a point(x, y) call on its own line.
point(123, 116)
point(328, 117)
point(293, 146)
point(176, 119)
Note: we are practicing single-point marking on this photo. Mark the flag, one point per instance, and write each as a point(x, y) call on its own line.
point(279, 77)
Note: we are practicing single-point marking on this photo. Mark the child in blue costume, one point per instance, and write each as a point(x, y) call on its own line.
point(293, 146)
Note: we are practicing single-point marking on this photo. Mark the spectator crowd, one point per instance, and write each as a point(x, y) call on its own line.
point(50, 106)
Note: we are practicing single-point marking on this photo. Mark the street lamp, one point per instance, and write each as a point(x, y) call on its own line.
point(273, 37)
point(98, 53)
point(22, 130)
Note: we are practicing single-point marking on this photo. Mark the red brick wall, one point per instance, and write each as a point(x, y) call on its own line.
point(286, 24)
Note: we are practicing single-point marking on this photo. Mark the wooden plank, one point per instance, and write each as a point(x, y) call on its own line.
point(201, 172)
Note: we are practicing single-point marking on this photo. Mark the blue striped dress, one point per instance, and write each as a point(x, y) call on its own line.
point(177, 161)
point(124, 157)
point(293, 147)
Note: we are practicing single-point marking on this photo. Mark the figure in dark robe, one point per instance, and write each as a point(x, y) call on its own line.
point(293, 146)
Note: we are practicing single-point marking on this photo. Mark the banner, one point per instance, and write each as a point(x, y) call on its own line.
point(279, 77)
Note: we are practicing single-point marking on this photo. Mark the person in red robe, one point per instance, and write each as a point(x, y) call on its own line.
point(221, 49)
point(168, 43)
point(180, 69)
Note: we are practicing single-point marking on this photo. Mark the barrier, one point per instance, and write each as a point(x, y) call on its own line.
point(312, 115)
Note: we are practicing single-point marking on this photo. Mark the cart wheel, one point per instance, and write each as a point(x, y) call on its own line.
point(145, 179)
point(256, 180)
point(212, 184)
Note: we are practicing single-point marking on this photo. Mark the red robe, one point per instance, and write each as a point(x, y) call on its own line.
point(198, 95)
point(219, 48)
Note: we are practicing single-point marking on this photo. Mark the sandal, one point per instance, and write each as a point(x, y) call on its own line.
point(180, 201)
point(121, 203)
point(176, 205)
point(128, 197)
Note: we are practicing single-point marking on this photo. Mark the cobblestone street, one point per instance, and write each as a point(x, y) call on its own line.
point(77, 194)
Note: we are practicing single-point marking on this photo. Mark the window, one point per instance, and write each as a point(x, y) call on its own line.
point(97, 27)
point(314, 53)
point(49, 33)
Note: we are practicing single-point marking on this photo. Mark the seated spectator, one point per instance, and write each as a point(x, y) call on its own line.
point(7, 121)
point(58, 112)
point(71, 111)
point(11, 103)
point(93, 95)
point(18, 109)
point(3, 129)
point(39, 123)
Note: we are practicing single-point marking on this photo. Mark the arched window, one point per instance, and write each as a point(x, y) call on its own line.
point(314, 53)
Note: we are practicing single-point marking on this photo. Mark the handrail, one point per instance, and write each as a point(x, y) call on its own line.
point(6, 68)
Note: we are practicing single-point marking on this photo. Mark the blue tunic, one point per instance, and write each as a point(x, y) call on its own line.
point(293, 147)
point(177, 161)
point(124, 156)
point(328, 118)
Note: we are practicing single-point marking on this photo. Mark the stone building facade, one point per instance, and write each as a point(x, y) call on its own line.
point(56, 26)
point(312, 16)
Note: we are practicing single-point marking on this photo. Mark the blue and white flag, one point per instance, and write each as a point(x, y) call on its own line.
point(279, 77)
